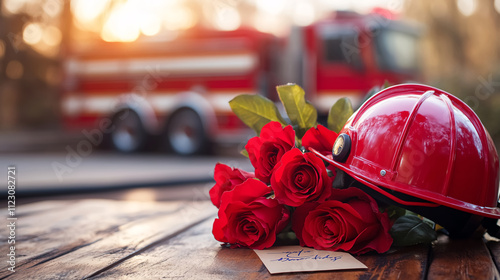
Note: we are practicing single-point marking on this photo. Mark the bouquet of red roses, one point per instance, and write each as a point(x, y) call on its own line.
point(292, 189)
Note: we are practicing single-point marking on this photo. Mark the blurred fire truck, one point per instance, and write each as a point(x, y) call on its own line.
point(178, 90)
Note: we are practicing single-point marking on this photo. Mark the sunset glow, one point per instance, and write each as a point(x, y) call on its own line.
point(127, 20)
point(121, 25)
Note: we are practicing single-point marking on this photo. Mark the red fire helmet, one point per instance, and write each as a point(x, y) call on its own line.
point(424, 143)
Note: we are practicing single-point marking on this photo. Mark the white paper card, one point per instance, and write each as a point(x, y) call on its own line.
point(285, 259)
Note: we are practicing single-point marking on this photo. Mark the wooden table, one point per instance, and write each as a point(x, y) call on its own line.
point(134, 240)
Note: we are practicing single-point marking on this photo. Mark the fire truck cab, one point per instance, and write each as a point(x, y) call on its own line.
point(176, 90)
point(348, 54)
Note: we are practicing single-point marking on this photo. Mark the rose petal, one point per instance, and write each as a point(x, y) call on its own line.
point(266, 150)
point(320, 138)
point(351, 223)
point(300, 178)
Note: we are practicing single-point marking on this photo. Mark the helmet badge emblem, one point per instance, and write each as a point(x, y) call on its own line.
point(341, 147)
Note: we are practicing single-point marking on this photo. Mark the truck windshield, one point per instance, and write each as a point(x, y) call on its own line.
point(342, 48)
point(397, 51)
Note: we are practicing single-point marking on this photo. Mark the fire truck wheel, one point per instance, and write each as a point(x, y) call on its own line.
point(129, 135)
point(185, 134)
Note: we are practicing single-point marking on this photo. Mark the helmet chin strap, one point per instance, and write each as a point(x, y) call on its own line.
point(394, 198)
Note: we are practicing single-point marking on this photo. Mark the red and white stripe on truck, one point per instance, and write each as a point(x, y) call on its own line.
point(179, 92)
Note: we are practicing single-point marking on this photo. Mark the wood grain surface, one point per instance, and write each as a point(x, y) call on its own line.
point(103, 239)
point(73, 240)
point(195, 254)
point(462, 259)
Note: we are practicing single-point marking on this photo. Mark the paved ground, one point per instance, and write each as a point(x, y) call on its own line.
point(22, 141)
point(67, 172)
point(51, 166)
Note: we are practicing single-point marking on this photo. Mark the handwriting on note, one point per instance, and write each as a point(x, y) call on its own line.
point(297, 259)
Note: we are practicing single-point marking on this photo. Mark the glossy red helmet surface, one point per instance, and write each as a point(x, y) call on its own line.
point(423, 142)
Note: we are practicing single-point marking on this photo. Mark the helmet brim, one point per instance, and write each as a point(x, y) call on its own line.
point(434, 199)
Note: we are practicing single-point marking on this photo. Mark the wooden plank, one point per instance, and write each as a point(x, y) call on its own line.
point(195, 254)
point(462, 259)
point(402, 263)
point(81, 238)
point(494, 247)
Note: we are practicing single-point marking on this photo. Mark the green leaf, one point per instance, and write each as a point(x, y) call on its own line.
point(255, 111)
point(286, 238)
point(395, 212)
point(339, 114)
point(411, 230)
point(244, 152)
point(386, 84)
point(302, 114)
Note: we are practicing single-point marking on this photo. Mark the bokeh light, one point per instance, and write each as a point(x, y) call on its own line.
point(303, 13)
point(467, 7)
point(179, 18)
point(32, 33)
point(86, 13)
point(272, 7)
point(13, 6)
point(226, 18)
point(52, 36)
point(121, 25)
point(273, 25)
point(52, 8)
point(14, 70)
point(497, 6)
point(127, 20)
point(150, 25)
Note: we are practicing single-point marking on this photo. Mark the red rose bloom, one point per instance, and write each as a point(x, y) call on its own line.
point(321, 139)
point(267, 149)
point(350, 222)
point(247, 218)
point(226, 178)
point(299, 178)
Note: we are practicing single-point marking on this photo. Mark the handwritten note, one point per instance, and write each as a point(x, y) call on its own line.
point(297, 259)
